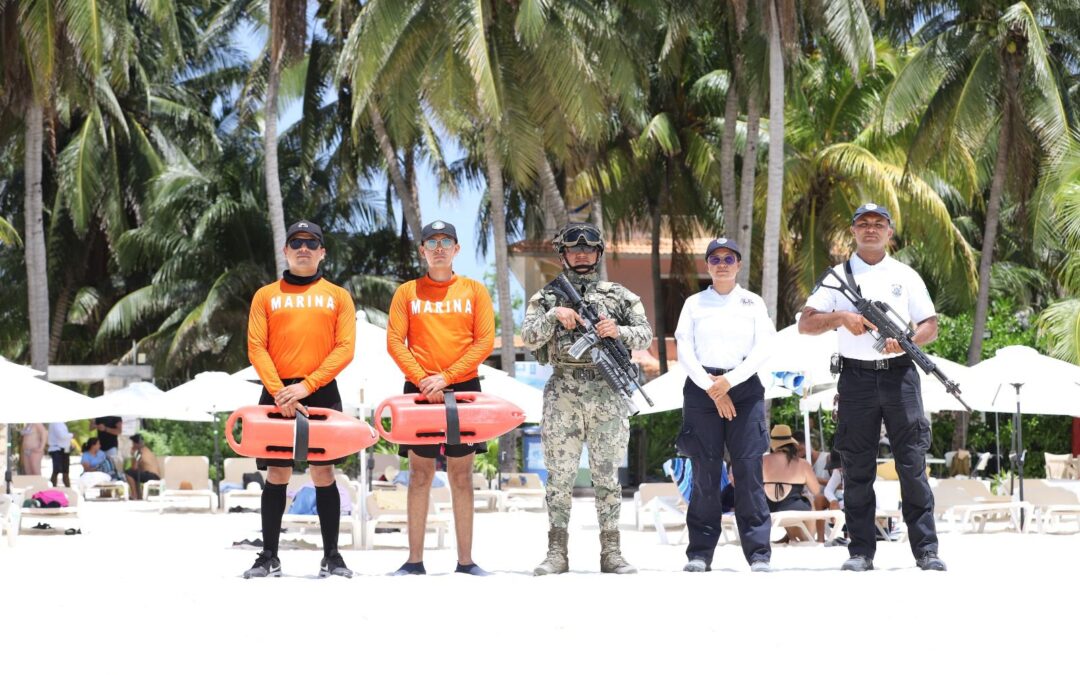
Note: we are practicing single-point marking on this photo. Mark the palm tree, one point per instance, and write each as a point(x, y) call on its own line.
point(1058, 232)
point(846, 26)
point(288, 34)
point(836, 159)
point(985, 78)
point(506, 80)
point(49, 37)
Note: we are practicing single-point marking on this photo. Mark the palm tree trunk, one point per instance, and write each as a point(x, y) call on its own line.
point(59, 318)
point(990, 230)
point(273, 182)
point(409, 203)
point(502, 266)
point(37, 276)
point(657, 284)
point(770, 257)
point(598, 220)
point(744, 236)
point(554, 205)
point(993, 210)
point(728, 190)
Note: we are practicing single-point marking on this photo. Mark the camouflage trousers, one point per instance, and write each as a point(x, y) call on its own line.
point(578, 411)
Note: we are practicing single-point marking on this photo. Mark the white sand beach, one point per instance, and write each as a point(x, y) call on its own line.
point(140, 591)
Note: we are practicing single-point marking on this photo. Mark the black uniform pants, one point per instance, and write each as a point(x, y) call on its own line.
point(703, 437)
point(867, 397)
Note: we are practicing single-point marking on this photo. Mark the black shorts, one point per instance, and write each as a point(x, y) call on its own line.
point(327, 397)
point(142, 476)
point(61, 461)
point(432, 451)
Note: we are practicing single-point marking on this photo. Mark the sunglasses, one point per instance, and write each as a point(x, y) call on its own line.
point(727, 259)
point(582, 248)
point(434, 244)
point(297, 244)
point(579, 234)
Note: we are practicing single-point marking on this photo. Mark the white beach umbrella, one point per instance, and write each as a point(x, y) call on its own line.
point(35, 400)
point(144, 400)
point(214, 392)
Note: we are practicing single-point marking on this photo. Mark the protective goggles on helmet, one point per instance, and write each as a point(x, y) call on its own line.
point(588, 236)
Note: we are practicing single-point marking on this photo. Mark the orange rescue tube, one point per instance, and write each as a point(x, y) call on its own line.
point(267, 434)
point(415, 421)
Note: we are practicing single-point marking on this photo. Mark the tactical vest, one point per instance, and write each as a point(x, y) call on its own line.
point(605, 298)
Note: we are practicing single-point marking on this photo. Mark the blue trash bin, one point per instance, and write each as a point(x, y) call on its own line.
point(533, 452)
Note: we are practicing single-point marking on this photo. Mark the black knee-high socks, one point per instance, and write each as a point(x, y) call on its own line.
point(273, 508)
point(328, 504)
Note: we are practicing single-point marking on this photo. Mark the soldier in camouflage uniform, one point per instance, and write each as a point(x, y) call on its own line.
point(579, 406)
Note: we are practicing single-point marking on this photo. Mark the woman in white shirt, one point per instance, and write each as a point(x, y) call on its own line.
point(724, 335)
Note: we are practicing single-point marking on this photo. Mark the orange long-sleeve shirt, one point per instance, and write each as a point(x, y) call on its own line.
point(440, 327)
point(304, 332)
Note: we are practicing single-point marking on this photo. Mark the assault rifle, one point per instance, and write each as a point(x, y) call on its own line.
point(609, 355)
point(889, 325)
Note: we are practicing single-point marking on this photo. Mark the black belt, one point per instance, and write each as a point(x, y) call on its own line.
point(880, 364)
point(717, 371)
point(584, 373)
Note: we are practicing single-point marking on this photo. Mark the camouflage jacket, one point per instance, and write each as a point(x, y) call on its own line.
point(545, 336)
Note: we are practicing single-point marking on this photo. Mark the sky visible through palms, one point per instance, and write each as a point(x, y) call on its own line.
point(461, 211)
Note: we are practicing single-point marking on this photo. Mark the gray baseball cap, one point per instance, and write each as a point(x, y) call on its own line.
point(723, 242)
point(304, 227)
point(438, 227)
point(871, 207)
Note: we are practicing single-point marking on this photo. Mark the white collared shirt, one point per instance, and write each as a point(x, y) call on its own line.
point(59, 436)
point(890, 281)
point(731, 331)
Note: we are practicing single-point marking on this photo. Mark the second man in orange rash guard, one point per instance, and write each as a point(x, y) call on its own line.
point(441, 329)
point(301, 334)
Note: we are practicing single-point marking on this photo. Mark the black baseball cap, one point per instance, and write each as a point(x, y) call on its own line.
point(871, 207)
point(304, 227)
point(438, 227)
point(723, 242)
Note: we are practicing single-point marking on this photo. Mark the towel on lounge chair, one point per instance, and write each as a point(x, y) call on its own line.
point(681, 471)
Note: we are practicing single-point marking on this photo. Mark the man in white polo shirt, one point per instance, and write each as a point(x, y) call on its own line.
point(879, 386)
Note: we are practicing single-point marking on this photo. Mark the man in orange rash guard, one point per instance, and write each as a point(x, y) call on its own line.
point(301, 334)
point(441, 329)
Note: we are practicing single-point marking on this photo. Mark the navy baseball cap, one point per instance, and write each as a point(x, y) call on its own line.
point(438, 227)
point(871, 207)
point(304, 227)
point(723, 242)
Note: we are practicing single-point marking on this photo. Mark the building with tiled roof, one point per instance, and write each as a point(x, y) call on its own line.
point(628, 261)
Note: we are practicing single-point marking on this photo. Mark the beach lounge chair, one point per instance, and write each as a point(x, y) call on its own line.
point(109, 491)
point(805, 520)
point(24, 487)
point(350, 522)
point(441, 498)
point(1051, 505)
point(387, 509)
point(179, 472)
point(380, 463)
point(10, 516)
point(485, 498)
point(1059, 467)
point(968, 504)
point(248, 497)
point(523, 491)
point(660, 505)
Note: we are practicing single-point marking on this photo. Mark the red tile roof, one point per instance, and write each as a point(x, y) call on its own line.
point(639, 245)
